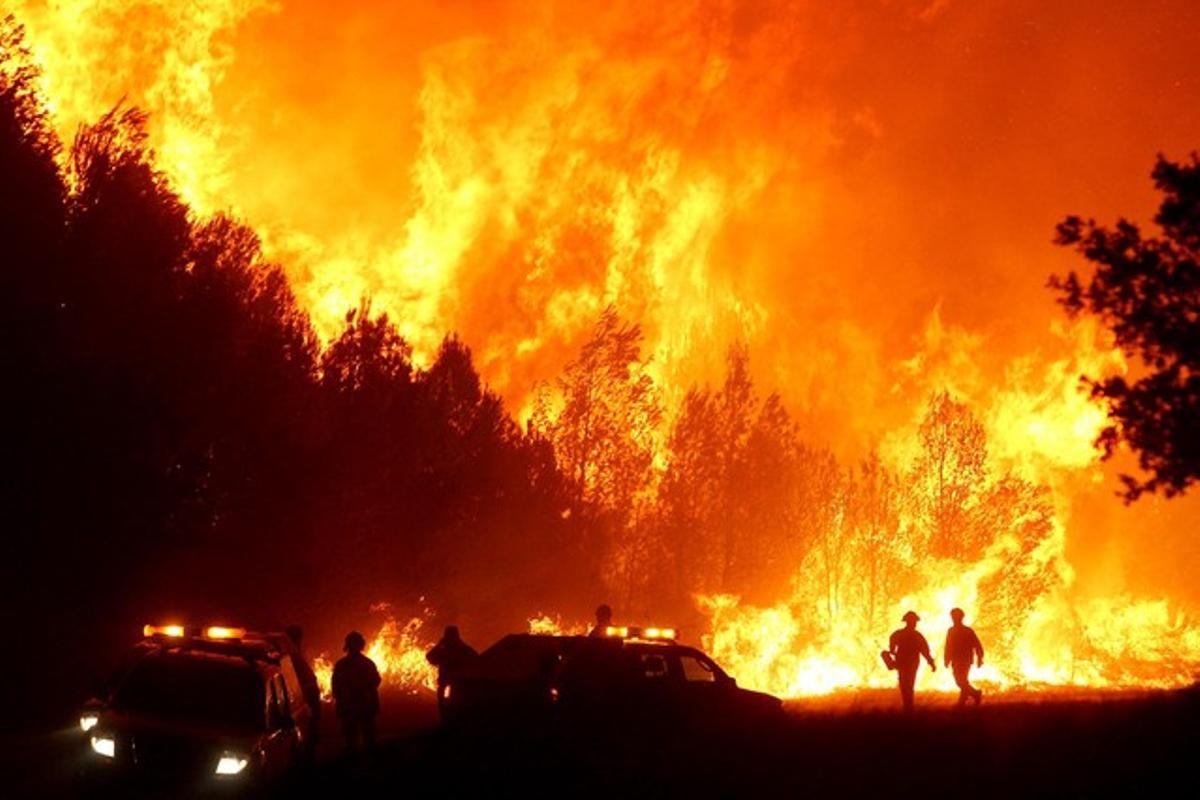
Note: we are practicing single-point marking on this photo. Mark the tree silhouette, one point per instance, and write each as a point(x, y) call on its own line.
point(177, 439)
point(31, 204)
point(727, 502)
point(1021, 516)
point(1147, 291)
point(948, 477)
point(822, 494)
point(604, 440)
point(873, 515)
point(604, 434)
point(735, 415)
point(690, 492)
point(771, 541)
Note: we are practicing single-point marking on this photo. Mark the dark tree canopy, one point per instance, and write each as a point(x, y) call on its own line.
point(1146, 289)
point(177, 441)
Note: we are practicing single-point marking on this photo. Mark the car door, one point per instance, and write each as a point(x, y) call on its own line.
point(280, 744)
point(655, 690)
point(703, 692)
point(297, 705)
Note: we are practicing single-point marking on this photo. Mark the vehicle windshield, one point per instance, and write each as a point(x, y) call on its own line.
point(210, 691)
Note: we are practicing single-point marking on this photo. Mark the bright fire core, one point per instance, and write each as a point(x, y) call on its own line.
point(724, 172)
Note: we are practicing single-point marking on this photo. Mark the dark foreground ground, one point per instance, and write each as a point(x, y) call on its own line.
point(851, 746)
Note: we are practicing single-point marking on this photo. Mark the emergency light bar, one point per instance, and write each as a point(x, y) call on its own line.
point(658, 633)
point(173, 631)
point(179, 631)
point(653, 634)
point(221, 632)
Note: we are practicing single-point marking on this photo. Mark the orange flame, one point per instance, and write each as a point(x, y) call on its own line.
point(722, 172)
point(398, 650)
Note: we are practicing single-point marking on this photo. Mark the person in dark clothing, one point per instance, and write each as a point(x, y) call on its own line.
point(309, 687)
point(603, 621)
point(907, 647)
point(356, 693)
point(449, 655)
point(963, 649)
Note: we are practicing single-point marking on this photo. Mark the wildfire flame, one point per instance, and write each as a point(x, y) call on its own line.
point(398, 650)
point(1040, 427)
point(722, 173)
point(553, 625)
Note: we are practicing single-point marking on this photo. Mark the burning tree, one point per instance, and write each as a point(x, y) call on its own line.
point(873, 499)
point(1025, 559)
point(691, 489)
point(728, 503)
point(948, 478)
point(603, 436)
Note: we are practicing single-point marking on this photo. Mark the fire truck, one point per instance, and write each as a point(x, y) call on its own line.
point(628, 675)
point(203, 707)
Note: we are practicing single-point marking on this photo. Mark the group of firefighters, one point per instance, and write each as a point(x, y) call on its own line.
point(908, 646)
point(356, 679)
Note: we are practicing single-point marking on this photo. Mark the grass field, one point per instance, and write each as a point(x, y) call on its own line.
point(1045, 744)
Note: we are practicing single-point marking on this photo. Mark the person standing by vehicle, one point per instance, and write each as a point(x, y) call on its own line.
point(449, 655)
point(907, 647)
point(963, 649)
point(356, 693)
point(603, 621)
point(309, 687)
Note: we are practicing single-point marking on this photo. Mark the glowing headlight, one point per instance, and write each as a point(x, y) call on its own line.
point(88, 721)
point(104, 746)
point(231, 765)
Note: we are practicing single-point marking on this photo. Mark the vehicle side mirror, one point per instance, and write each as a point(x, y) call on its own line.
point(728, 681)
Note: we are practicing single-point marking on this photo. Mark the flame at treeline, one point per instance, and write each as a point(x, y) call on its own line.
point(852, 394)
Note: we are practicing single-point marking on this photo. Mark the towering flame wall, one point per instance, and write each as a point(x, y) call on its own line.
point(864, 192)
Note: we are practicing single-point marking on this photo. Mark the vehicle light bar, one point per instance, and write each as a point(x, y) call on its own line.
point(173, 631)
point(222, 632)
point(625, 632)
point(658, 633)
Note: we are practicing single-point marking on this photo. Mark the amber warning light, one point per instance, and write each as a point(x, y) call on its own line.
point(622, 632)
point(172, 631)
point(658, 633)
point(221, 632)
point(180, 631)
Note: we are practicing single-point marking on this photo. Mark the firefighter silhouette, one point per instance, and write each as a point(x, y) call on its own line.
point(906, 648)
point(356, 693)
point(603, 620)
point(449, 655)
point(963, 649)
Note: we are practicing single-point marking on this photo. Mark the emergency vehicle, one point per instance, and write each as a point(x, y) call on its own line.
point(628, 674)
point(206, 706)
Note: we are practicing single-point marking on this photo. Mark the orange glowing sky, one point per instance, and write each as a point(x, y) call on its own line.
point(843, 185)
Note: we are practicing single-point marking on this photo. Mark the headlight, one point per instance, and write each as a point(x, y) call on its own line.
point(104, 746)
point(231, 765)
point(88, 721)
